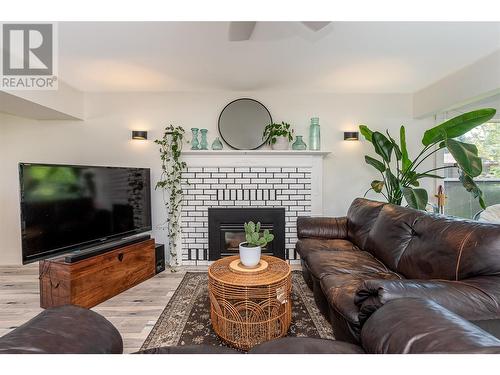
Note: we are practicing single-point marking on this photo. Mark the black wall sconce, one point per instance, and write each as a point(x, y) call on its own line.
point(139, 134)
point(351, 136)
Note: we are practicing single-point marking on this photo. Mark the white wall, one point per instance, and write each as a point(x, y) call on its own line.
point(64, 103)
point(104, 139)
point(469, 85)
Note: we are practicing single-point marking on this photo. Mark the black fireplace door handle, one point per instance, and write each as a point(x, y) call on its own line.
point(120, 257)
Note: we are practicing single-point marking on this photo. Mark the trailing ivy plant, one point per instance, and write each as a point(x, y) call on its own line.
point(400, 176)
point(271, 131)
point(170, 182)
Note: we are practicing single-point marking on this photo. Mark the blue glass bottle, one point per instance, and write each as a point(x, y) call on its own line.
point(314, 135)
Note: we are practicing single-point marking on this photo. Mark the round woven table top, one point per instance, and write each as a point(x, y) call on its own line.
point(221, 271)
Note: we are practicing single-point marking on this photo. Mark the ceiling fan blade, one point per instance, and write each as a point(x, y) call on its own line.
point(241, 30)
point(315, 25)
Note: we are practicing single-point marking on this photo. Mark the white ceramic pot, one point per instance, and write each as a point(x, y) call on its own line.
point(249, 256)
point(282, 143)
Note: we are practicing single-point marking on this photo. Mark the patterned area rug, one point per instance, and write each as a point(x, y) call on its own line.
point(186, 319)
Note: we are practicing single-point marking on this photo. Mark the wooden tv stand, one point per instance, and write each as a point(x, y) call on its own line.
point(93, 280)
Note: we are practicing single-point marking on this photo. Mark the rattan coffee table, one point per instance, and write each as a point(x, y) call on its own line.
point(250, 306)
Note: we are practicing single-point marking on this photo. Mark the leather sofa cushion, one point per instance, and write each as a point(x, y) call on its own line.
point(413, 325)
point(425, 246)
point(308, 246)
point(306, 345)
point(391, 234)
point(360, 218)
point(324, 263)
point(451, 249)
point(64, 330)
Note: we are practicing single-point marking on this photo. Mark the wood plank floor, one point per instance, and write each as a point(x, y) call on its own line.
point(133, 312)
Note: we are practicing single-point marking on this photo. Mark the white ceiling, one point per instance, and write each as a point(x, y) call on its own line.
point(371, 57)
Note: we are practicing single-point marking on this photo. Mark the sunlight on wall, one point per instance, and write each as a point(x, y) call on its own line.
point(119, 76)
point(367, 76)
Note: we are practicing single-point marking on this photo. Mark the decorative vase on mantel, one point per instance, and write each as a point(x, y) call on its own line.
point(281, 143)
point(217, 144)
point(299, 144)
point(195, 144)
point(314, 135)
point(204, 142)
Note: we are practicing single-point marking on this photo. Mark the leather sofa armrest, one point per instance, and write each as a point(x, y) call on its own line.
point(414, 325)
point(322, 227)
point(64, 330)
point(474, 299)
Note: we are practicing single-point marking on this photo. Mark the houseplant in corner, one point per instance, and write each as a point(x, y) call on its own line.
point(170, 182)
point(400, 177)
point(278, 135)
point(255, 241)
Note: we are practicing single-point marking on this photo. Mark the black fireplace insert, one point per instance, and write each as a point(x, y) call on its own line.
point(226, 230)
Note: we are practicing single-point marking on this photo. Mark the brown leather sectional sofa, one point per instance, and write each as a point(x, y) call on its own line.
point(380, 252)
point(402, 326)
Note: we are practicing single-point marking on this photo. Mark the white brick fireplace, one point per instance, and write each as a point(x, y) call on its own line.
point(288, 179)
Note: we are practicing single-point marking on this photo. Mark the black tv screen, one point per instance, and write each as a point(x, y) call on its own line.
point(69, 207)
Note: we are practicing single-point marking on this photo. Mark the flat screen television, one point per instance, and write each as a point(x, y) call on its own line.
point(70, 207)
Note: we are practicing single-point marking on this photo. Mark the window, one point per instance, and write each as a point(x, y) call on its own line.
point(461, 203)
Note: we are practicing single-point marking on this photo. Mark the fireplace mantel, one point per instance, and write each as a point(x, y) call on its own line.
point(255, 153)
point(256, 158)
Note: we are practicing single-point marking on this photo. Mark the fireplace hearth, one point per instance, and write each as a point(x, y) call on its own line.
point(226, 230)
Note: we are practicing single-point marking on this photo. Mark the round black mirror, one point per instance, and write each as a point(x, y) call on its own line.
point(242, 123)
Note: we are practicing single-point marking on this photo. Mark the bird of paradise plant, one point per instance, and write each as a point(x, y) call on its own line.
point(400, 175)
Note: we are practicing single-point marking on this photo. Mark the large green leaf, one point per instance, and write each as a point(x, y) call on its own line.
point(374, 162)
point(458, 126)
point(430, 175)
point(465, 155)
point(404, 150)
point(382, 145)
point(367, 133)
point(416, 198)
point(412, 178)
point(377, 185)
point(397, 151)
point(392, 180)
point(471, 186)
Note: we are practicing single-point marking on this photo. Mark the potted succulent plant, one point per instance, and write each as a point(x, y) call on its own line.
point(278, 135)
point(250, 249)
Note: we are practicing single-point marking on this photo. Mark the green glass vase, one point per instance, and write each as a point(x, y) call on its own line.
point(204, 142)
point(217, 144)
point(314, 135)
point(195, 144)
point(299, 144)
